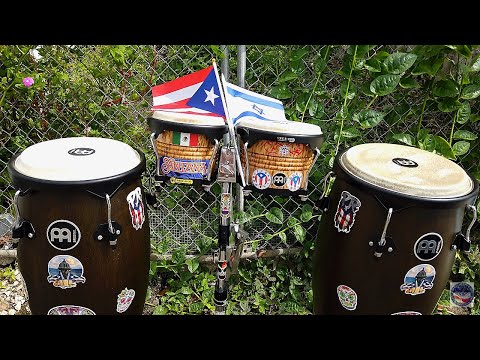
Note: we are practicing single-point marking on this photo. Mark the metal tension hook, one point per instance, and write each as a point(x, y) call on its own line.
point(384, 242)
point(111, 229)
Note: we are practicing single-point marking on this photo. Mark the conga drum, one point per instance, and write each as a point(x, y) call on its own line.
point(186, 146)
point(387, 243)
point(277, 156)
point(84, 243)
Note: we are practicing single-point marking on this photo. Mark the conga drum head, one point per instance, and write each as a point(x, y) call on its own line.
point(277, 156)
point(84, 234)
point(387, 242)
point(186, 146)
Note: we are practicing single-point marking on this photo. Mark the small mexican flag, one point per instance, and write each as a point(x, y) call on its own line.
point(184, 139)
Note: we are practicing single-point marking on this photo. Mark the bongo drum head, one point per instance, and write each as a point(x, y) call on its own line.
point(76, 159)
point(287, 127)
point(193, 119)
point(406, 170)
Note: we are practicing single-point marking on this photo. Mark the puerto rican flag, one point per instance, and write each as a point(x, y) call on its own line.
point(135, 205)
point(346, 211)
point(197, 93)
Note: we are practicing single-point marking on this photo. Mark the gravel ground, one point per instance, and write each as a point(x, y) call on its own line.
point(13, 296)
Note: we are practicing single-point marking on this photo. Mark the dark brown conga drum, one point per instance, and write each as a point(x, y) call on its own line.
point(83, 227)
point(387, 243)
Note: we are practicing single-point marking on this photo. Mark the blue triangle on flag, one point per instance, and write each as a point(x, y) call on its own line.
point(207, 97)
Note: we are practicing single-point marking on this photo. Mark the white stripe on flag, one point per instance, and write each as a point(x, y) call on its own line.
point(180, 110)
point(177, 95)
point(184, 139)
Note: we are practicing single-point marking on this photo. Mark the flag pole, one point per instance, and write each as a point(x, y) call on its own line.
point(231, 128)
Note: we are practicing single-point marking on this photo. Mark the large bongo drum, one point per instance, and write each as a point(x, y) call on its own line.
point(186, 146)
point(277, 156)
point(84, 243)
point(387, 243)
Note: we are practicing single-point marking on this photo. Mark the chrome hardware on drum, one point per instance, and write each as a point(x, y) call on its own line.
point(387, 242)
point(277, 156)
point(186, 146)
point(82, 225)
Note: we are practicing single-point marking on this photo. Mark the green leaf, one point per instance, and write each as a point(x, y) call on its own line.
point(299, 232)
point(281, 92)
point(196, 307)
point(461, 147)
point(384, 84)
point(361, 50)
point(449, 105)
point(283, 237)
point(373, 65)
point(398, 63)
point(464, 135)
point(461, 49)
point(192, 264)
point(470, 92)
point(351, 90)
point(428, 66)
point(178, 255)
point(464, 113)
point(427, 143)
point(292, 220)
point(307, 213)
point(298, 54)
point(409, 83)
point(368, 118)
point(351, 132)
point(312, 107)
point(160, 310)
point(474, 118)
point(275, 215)
point(445, 88)
point(476, 65)
point(287, 76)
point(443, 147)
point(404, 138)
point(320, 64)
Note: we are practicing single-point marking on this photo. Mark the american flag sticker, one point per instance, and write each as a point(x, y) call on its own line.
point(347, 209)
point(137, 210)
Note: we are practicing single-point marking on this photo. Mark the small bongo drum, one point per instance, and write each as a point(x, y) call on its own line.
point(277, 156)
point(387, 243)
point(84, 234)
point(186, 146)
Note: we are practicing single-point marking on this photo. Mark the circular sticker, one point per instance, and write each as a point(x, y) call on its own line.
point(428, 246)
point(63, 235)
point(407, 313)
point(279, 179)
point(261, 179)
point(418, 279)
point(65, 272)
point(347, 297)
point(405, 162)
point(70, 310)
point(294, 181)
point(81, 151)
point(284, 150)
point(461, 294)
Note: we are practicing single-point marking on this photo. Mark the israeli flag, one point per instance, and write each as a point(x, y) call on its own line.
point(242, 103)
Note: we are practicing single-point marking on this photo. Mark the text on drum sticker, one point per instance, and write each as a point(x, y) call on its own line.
point(418, 279)
point(63, 235)
point(347, 209)
point(65, 272)
point(136, 208)
point(428, 246)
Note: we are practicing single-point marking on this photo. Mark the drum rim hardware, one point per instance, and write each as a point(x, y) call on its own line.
point(385, 242)
point(462, 242)
point(110, 230)
point(21, 227)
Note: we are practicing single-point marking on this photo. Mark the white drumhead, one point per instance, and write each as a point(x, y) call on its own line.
point(77, 159)
point(178, 117)
point(407, 170)
point(287, 127)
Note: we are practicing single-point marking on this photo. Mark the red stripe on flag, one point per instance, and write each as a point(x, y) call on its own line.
point(181, 82)
point(193, 140)
point(173, 105)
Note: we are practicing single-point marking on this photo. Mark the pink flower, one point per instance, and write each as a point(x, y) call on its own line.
point(28, 81)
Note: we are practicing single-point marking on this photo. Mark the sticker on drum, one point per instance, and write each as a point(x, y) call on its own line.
point(407, 313)
point(347, 209)
point(279, 180)
point(284, 150)
point(294, 181)
point(65, 272)
point(428, 246)
point(418, 279)
point(124, 299)
point(81, 151)
point(63, 235)
point(261, 179)
point(347, 296)
point(462, 293)
point(137, 210)
point(70, 310)
point(183, 168)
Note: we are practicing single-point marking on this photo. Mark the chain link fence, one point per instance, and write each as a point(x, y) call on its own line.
point(105, 91)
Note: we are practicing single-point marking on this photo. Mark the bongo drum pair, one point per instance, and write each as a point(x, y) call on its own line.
point(84, 243)
point(387, 242)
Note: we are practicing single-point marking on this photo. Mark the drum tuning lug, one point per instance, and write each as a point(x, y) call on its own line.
point(303, 197)
point(461, 243)
point(103, 232)
point(23, 229)
point(207, 187)
point(151, 199)
point(322, 204)
point(246, 192)
point(387, 245)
